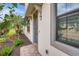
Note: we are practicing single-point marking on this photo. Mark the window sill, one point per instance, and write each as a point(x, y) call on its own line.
point(66, 48)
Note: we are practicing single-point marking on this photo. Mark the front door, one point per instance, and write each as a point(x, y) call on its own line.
point(35, 27)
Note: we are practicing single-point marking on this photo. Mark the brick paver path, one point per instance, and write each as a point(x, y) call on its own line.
point(29, 50)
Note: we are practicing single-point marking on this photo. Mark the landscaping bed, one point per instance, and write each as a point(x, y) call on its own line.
point(11, 28)
point(9, 47)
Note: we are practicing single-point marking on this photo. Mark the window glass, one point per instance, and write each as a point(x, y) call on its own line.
point(68, 24)
point(66, 7)
point(28, 25)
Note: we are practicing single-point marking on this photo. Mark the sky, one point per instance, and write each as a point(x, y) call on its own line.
point(20, 10)
point(66, 7)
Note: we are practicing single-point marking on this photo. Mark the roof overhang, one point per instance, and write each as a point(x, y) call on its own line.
point(31, 8)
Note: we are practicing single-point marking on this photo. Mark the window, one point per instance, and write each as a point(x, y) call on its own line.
point(68, 23)
point(66, 7)
point(28, 25)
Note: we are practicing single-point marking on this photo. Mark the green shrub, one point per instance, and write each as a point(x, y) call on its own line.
point(17, 42)
point(3, 38)
point(11, 32)
point(6, 51)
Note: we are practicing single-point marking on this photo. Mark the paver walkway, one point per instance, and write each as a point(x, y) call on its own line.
point(30, 50)
point(27, 49)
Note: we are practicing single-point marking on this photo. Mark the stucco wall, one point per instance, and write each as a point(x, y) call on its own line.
point(44, 36)
point(44, 32)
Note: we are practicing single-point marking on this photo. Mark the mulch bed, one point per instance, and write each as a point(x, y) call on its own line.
point(16, 51)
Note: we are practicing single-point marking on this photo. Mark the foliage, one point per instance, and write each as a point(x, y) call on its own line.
point(3, 38)
point(18, 42)
point(6, 24)
point(18, 22)
point(11, 25)
point(12, 18)
point(15, 5)
point(1, 6)
point(11, 32)
point(6, 51)
point(11, 9)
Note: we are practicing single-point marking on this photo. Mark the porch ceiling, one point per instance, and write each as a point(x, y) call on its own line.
point(31, 8)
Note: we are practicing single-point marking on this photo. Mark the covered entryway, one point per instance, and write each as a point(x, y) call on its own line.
point(35, 27)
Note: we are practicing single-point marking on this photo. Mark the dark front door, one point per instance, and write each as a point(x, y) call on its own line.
point(35, 27)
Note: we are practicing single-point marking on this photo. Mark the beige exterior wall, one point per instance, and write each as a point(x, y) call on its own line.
point(44, 34)
point(44, 27)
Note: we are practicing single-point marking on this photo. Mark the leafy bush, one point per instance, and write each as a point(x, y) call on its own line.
point(6, 51)
point(3, 38)
point(17, 42)
point(11, 32)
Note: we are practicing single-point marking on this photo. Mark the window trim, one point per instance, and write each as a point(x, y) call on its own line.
point(70, 50)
